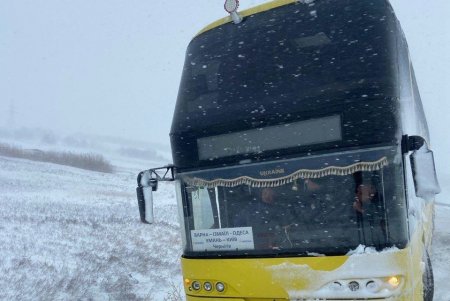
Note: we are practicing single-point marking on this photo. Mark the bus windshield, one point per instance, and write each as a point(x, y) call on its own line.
point(335, 210)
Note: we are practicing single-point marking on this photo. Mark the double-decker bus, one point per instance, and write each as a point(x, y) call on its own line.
point(301, 157)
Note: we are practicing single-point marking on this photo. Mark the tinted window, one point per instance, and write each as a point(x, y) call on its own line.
point(288, 54)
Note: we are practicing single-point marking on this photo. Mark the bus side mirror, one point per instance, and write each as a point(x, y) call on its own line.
point(147, 182)
point(424, 171)
point(144, 191)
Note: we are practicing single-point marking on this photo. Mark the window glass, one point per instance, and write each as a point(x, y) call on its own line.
point(202, 208)
point(330, 214)
point(285, 55)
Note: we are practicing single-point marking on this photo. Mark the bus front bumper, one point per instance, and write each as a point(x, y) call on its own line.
point(195, 298)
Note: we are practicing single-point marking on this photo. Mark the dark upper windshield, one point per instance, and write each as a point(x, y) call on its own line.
point(294, 63)
point(285, 56)
point(330, 214)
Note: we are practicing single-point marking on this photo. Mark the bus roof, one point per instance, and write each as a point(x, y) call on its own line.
point(251, 11)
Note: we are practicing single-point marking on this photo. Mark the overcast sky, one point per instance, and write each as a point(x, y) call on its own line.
point(113, 67)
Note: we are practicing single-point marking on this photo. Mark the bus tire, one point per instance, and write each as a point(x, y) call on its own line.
point(428, 280)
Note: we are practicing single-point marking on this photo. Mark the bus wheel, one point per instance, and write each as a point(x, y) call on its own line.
point(428, 280)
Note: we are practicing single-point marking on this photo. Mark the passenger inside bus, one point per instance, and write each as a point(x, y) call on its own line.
point(332, 206)
point(312, 212)
point(370, 210)
point(365, 194)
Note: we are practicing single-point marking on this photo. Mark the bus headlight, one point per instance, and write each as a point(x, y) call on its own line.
point(394, 281)
point(353, 286)
point(196, 285)
point(207, 286)
point(220, 287)
point(337, 286)
point(373, 287)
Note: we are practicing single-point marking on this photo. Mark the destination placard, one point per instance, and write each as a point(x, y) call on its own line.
point(225, 239)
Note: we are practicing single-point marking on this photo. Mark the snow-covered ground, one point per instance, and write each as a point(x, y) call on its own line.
point(441, 250)
point(70, 234)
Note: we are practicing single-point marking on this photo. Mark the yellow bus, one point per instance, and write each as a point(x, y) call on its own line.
point(301, 157)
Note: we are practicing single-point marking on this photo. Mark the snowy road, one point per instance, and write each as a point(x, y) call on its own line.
point(441, 253)
point(68, 234)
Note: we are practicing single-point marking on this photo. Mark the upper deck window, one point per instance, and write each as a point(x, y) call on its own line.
point(289, 54)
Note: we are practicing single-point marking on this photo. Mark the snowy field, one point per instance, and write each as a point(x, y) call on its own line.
point(69, 234)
